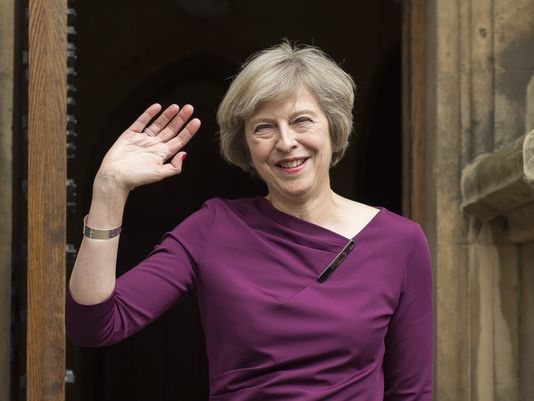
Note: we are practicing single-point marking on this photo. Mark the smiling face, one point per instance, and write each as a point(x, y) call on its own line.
point(290, 148)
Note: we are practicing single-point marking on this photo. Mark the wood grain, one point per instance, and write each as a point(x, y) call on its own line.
point(46, 200)
point(414, 65)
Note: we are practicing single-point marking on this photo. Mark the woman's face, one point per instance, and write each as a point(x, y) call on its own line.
point(289, 145)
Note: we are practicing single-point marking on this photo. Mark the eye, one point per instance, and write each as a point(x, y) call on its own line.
point(302, 120)
point(261, 127)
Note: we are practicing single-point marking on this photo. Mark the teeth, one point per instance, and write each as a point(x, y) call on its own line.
point(292, 164)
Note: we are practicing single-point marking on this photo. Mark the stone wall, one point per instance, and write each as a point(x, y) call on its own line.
point(6, 109)
point(480, 196)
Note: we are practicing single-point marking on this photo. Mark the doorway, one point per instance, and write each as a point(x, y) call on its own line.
point(130, 54)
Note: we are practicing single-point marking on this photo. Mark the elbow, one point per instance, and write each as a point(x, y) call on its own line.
point(90, 325)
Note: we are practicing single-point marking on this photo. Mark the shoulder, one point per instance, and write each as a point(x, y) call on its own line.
point(217, 208)
point(395, 232)
point(215, 215)
point(399, 224)
point(226, 202)
point(221, 210)
point(411, 236)
point(236, 205)
point(388, 224)
point(403, 230)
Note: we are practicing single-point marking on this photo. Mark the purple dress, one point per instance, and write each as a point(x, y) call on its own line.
point(273, 332)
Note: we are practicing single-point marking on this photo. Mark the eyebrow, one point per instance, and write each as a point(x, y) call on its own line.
point(260, 119)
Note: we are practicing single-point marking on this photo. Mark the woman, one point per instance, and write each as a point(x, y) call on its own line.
point(303, 294)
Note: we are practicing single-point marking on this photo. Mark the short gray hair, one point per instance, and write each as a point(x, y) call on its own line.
point(275, 74)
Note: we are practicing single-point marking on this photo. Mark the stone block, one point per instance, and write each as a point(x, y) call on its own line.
point(513, 31)
point(451, 297)
point(482, 266)
point(510, 86)
point(526, 329)
point(501, 183)
point(506, 323)
point(529, 120)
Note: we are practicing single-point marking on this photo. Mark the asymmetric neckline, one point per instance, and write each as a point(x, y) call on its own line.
point(298, 224)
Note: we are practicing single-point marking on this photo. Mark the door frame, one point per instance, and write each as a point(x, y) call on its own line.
point(47, 108)
point(413, 109)
point(45, 340)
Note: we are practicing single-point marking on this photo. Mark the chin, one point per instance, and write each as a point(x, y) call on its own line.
point(296, 191)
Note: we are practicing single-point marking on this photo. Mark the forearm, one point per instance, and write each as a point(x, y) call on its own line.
point(135, 159)
point(93, 277)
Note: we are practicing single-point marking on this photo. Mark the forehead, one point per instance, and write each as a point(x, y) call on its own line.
point(303, 99)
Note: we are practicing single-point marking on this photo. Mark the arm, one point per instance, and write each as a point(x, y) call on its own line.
point(409, 341)
point(143, 293)
point(93, 276)
point(134, 159)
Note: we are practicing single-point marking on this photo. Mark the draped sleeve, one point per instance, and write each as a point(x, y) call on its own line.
point(146, 291)
point(409, 340)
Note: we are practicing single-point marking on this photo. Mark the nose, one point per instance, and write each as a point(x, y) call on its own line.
point(286, 139)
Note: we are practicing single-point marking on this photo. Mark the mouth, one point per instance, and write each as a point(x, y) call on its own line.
point(291, 164)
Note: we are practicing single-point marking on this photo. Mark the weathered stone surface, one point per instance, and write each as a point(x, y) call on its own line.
point(520, 224)
point(479, 89)
point(501, 183)
point(529, 120)
point(513, 31)
point(444, 153)
point(506, 322)
point(482, 267)
point(478, 71)
point(514, 65)
point(510, 87)
point(452, 299)
point(526, 329)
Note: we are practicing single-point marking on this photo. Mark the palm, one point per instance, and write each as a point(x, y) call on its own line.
point(137, 159)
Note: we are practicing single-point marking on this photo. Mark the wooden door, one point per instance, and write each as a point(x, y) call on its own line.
point(47, 105)
point(413, 109)
point(47, 178)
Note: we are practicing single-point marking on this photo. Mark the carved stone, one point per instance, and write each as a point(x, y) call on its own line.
point(529, 123)
point(501, 183)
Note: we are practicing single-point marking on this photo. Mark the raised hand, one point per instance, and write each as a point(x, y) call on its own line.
point(146, 154)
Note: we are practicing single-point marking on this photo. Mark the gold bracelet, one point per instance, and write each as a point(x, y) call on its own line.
point(96, 233)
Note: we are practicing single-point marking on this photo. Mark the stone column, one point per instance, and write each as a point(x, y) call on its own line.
point(526, 331)
point(480, 198)
point(7, 18)
point(445, 223)
point(526, 312)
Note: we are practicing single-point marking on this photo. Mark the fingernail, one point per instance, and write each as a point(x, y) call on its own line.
point(184, 156)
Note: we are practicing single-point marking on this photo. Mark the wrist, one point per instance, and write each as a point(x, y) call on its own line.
point(99, 233)
point(108, 202)
point(109, 183)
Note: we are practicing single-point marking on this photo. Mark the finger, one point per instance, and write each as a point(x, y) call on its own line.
point(145, 118)
point(185, 136)
point(163, 119)
point(175, 165)
point(176, 123)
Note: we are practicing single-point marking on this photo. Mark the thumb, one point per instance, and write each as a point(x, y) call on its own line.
point(175, 165)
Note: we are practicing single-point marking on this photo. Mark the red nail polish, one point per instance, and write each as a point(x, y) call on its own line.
point(184, 156)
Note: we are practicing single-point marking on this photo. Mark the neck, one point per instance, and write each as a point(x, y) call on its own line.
point(313, 209)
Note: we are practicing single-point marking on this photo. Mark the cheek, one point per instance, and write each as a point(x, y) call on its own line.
point(320, 144)
point(252, 148)
point(258, 149)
